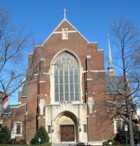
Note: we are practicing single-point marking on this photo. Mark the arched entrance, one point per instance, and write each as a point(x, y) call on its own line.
point(66, 127)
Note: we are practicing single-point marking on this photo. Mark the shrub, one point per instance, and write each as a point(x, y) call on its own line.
point(106, 143)
point(42, 134)
point(4, 135)
point(112, 141)
point(121, 137)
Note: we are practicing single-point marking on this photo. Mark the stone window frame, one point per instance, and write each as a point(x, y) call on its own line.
point(85, 128)
point(15, 125)
point(58, 66)
point(116, 128)
point(49, 128)
point(64, 33)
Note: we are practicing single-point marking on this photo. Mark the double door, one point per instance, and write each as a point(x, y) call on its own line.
point(67, 133)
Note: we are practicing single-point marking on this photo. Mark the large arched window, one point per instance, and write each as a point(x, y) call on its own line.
point(66, 77)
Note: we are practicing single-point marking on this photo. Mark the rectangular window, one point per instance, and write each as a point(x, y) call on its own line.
point(118, 125)
point(85, 128)
point(18, 128)
point(49, 129)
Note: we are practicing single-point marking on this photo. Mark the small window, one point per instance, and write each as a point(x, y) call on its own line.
point(118, 125)
point(64, 33)
point(85, 128)
point(49, 129)
point(18, 128)
point(24, 90)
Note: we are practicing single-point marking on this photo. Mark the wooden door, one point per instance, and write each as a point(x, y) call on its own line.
point(67, 133)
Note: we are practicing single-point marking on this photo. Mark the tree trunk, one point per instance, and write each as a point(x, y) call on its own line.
point(130, 124)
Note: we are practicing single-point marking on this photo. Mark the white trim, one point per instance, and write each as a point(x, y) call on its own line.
point(69, 31)
point(65, 34)
point(88, 56)
point(26, 113)
point(36, 74)
point(115, 124)
point(89, 79)
point(41, 106)
point(84, 71)
point(45, 73)
point(42, 81)
point(58, 27)
point(18, 106)
point(18, 122)
point(37, 46)
point(52, 77)
point(92, 42)
point(96, 71)
point(30, 54)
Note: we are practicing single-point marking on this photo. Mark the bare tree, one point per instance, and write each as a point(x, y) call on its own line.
point(128, 83)
point(14, 43)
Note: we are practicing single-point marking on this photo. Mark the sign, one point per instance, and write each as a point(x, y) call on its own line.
point(13, 134)
point(39, 139)
point(125, 127)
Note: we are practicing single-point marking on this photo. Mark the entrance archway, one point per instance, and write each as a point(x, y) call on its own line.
point(66, 127)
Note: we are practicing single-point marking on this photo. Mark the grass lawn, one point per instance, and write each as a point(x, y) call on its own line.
point(45, 144)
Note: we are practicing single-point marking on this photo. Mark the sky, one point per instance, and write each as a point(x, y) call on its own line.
point(92, 18)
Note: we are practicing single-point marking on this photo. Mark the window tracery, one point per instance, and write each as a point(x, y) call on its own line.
point(66, 72)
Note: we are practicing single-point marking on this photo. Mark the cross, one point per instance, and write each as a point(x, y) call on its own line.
point(65, 13)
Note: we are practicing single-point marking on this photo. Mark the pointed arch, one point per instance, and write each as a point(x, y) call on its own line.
point(66, 70)
point(66, 50)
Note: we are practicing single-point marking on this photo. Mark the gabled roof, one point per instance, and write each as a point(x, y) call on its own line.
point(7, 110)
point(59, 25)
point(115, 84)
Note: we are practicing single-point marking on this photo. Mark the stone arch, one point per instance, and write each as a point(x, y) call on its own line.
point(68, 122)
point(77, 94)
point(66, 50)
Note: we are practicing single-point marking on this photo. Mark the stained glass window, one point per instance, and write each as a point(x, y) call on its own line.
point(66, 72)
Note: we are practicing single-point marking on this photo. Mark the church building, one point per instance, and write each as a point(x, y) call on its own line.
point(66, 90)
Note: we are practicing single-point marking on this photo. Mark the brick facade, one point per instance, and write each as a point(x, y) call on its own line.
point(41, 93)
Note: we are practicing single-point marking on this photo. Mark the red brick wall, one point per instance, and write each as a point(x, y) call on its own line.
point(99, 127)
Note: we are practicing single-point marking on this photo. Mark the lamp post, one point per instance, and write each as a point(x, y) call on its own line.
point(9, 121)
point(110, 143)
point(126, 129)
point(39, 140)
